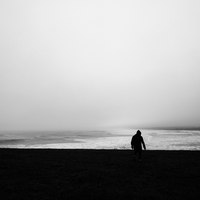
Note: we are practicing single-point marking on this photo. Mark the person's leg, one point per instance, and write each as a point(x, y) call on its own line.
point(134, 155)
point(139, 155)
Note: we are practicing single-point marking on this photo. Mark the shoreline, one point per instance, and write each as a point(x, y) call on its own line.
point(112, 139)
point(90, 149)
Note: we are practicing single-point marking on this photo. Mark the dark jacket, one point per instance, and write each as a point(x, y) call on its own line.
point(137, 142)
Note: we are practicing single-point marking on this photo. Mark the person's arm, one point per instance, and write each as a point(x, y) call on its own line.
point(132, 143)
point(144, 146)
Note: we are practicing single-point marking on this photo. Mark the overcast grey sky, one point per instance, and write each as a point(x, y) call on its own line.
point(74, 64)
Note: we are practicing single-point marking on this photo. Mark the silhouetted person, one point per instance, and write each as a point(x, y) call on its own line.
point(136, 143)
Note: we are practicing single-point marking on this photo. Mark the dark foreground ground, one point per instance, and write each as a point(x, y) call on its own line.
point(98, 174)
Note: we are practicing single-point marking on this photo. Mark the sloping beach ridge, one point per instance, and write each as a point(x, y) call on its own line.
point(98, 174)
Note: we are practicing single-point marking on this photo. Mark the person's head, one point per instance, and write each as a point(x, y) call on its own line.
point(138, 132)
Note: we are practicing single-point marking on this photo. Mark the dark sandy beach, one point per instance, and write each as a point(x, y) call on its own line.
point(98, 174)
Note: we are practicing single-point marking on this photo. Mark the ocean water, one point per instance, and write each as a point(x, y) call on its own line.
point(106, 139)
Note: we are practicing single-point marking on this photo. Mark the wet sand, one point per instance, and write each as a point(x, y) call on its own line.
point(98, 174)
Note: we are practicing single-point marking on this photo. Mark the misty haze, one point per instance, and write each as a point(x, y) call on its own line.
point(85, 65)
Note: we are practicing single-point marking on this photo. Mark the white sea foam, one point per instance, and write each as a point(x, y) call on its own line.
point(112, 139)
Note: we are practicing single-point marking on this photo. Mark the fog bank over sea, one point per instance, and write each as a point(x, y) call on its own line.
point(105, 139)
point(96, 64)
